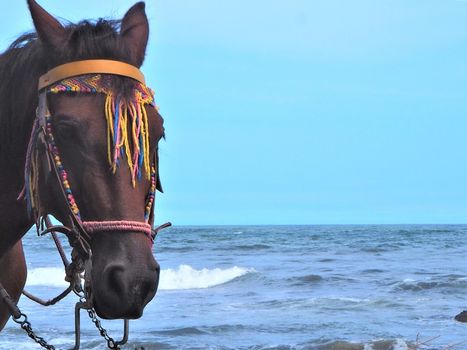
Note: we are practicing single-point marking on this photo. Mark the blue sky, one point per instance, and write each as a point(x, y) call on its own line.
point(302, 112)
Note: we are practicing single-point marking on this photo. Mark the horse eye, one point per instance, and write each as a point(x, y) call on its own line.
point(66, 129)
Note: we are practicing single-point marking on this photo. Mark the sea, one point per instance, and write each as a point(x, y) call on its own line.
point(346, 287)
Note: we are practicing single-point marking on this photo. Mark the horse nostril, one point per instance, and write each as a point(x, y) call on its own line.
point(118, 280)
point(113, 278)
point(157, 267)
point(147, 288)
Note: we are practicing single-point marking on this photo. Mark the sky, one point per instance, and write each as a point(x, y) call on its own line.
point(301, 111)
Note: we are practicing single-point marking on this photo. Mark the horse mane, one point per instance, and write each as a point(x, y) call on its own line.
point(27, 58)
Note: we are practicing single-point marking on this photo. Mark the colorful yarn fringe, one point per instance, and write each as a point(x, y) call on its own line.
point(127, 135)
point(127, 121)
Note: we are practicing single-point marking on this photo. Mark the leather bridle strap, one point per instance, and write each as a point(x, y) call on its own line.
point(76, 68)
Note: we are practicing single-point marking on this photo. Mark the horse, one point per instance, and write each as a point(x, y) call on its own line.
point(83, 149)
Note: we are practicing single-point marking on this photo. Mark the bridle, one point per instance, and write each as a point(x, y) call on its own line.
point(80, 232)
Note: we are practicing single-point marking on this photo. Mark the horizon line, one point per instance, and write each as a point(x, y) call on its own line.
point(335, 224)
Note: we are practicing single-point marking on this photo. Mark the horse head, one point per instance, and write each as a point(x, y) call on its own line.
point(104, 131)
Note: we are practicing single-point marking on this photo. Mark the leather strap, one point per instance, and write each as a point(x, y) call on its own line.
point(76, 68)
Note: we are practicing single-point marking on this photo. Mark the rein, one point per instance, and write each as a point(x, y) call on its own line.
point(88, 77)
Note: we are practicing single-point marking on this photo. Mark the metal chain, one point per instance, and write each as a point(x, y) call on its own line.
point(111, 343)
point(26, 325)
point(21, 319)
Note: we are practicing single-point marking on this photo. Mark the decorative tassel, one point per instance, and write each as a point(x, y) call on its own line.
point(120, 115)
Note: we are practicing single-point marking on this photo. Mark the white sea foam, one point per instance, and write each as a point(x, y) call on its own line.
point(397, 344)
point(46, 276)
point(184, 277)
point(400, 344)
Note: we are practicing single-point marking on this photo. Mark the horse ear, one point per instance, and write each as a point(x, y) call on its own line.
point(49, 30)
point(135, 32)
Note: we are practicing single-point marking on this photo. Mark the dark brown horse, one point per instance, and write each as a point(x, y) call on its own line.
point(125, 274)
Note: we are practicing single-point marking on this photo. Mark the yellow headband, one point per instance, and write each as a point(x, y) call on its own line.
point(73, 69)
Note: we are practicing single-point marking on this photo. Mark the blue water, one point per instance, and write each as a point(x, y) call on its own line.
point(279, 287)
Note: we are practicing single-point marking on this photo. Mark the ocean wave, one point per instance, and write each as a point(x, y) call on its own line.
point(246, 247)
point(384, 247)
point(449, 281)
point(372, 271)
point(184, 277)
point(170, 249)
point(386, 344)
point(46, 276)
point(305, 280)
point(184, 331)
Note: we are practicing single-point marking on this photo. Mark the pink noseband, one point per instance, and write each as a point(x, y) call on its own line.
point(121, 225)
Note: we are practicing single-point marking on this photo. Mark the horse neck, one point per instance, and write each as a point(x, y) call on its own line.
point(18, 100)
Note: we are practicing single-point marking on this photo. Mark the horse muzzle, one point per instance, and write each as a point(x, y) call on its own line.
point(124, 275)
point(123, 293)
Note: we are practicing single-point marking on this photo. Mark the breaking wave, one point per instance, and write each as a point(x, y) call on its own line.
point(184, 277)
point(442, 282)
point(46, 276)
